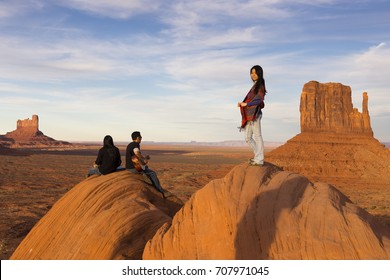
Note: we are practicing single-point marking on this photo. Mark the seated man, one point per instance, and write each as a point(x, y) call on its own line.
point(137, 163)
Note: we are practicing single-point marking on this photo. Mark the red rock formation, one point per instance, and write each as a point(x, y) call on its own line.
point(26, 130)
point(28, 124)
point(103, 217)
point(27, 133)
point(266, 213)
point(335, 140)
point(336, 145)
point(366, 116)
point(324, 155)
point(328, 108)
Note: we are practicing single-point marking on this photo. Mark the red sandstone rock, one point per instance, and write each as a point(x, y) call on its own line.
point(252, 213)
point(334, 155)
point(27, 133)
point(328, 108)
point(266, 213)
point(26, 130)
point(103, 217)
point(335, 140)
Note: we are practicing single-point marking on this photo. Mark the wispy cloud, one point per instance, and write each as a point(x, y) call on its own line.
point(365, 70)
point(11, 8)
point(180, 67)
point(117, 9)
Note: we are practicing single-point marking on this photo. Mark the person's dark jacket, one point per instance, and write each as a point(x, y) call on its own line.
point(108, 159)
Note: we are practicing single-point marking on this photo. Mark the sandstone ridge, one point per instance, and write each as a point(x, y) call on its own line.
point(267, 213)
point(27, 134)
point(252, 213)
point(103, 217)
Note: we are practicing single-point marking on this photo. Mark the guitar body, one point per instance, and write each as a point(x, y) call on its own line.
point(137, 164)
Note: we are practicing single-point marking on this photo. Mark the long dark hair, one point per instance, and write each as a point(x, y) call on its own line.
point(108, 142)
point(260, 81)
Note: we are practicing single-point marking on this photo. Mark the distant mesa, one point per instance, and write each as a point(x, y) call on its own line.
point(251, 213)
point(26, 130)
point(336, 140)
point(27, 134)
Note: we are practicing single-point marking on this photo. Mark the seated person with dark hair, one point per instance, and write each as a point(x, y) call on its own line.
point(108, 159)
point(137, 163)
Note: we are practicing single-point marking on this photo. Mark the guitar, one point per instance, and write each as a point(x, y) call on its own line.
point(138, 164)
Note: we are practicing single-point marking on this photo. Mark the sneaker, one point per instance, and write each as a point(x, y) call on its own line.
point(166, 194)
point(255, 163)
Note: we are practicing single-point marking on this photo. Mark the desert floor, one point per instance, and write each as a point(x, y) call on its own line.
point(32, 181)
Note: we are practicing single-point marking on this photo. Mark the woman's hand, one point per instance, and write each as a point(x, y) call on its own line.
point(241, 104)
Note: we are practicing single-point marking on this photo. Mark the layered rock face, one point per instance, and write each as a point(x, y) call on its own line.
point(103, 217)
point(28, 124)
point(328, 155)
point(335, 140)
point(267, 213)
point(27, 133)
point(328, 108)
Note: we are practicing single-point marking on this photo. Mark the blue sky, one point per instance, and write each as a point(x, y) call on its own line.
point(175, 70)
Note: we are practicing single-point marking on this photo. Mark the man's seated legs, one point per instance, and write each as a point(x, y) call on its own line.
point(153, 177)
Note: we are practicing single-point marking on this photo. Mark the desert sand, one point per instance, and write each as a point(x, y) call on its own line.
point(33, 180)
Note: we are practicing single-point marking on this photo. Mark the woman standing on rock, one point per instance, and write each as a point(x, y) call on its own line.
point(251, 114)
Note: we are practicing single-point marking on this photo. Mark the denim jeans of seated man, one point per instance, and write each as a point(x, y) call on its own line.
point(150, 177)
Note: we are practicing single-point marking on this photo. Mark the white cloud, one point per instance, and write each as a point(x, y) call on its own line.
point(373, 65)
point(367, 70)
point(64, 59)
point(204, 24)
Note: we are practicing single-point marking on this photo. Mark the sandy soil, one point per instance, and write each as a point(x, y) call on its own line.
point(32, 181)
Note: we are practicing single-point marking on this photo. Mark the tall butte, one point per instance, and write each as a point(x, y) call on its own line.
point(27, 133)
point(328, 108)
point(26, 129)
point(336, 140)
